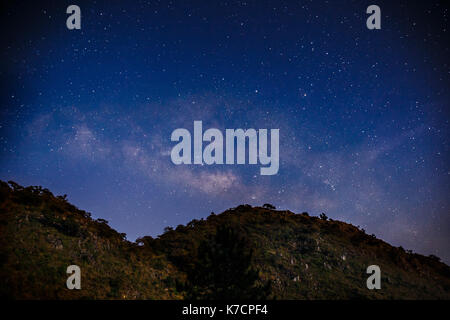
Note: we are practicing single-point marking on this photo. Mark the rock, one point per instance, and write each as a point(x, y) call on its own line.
point(58, 245)
point(326, 265)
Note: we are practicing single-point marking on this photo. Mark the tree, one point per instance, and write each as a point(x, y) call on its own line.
point(168, 229)
point(269, 206)
point(435, 258)
point(222, 269)
point(323, 216)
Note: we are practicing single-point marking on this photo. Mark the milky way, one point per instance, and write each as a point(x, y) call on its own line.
point(363, 114)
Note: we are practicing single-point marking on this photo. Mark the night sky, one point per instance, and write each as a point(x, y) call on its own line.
point(363, 114)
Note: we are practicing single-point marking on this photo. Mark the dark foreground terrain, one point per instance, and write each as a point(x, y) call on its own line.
point(244, 252)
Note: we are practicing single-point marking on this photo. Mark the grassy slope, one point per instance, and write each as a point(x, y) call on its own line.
point(309, 258)
point(41, 235)
point(305, 257)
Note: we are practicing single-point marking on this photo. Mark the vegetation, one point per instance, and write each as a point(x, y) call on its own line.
point(223, 269)
point(41, 235)
point(323, 216)
point(244, 252)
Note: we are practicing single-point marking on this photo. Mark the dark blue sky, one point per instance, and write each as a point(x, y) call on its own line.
point(363, 115)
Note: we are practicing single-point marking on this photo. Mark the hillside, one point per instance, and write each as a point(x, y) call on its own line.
point(242, 252)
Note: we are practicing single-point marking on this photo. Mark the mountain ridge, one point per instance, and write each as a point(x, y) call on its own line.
point(299, 256)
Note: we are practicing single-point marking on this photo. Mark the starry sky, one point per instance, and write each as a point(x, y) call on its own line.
point(363, 114)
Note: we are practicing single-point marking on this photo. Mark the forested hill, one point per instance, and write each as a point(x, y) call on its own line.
point(244, 252)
